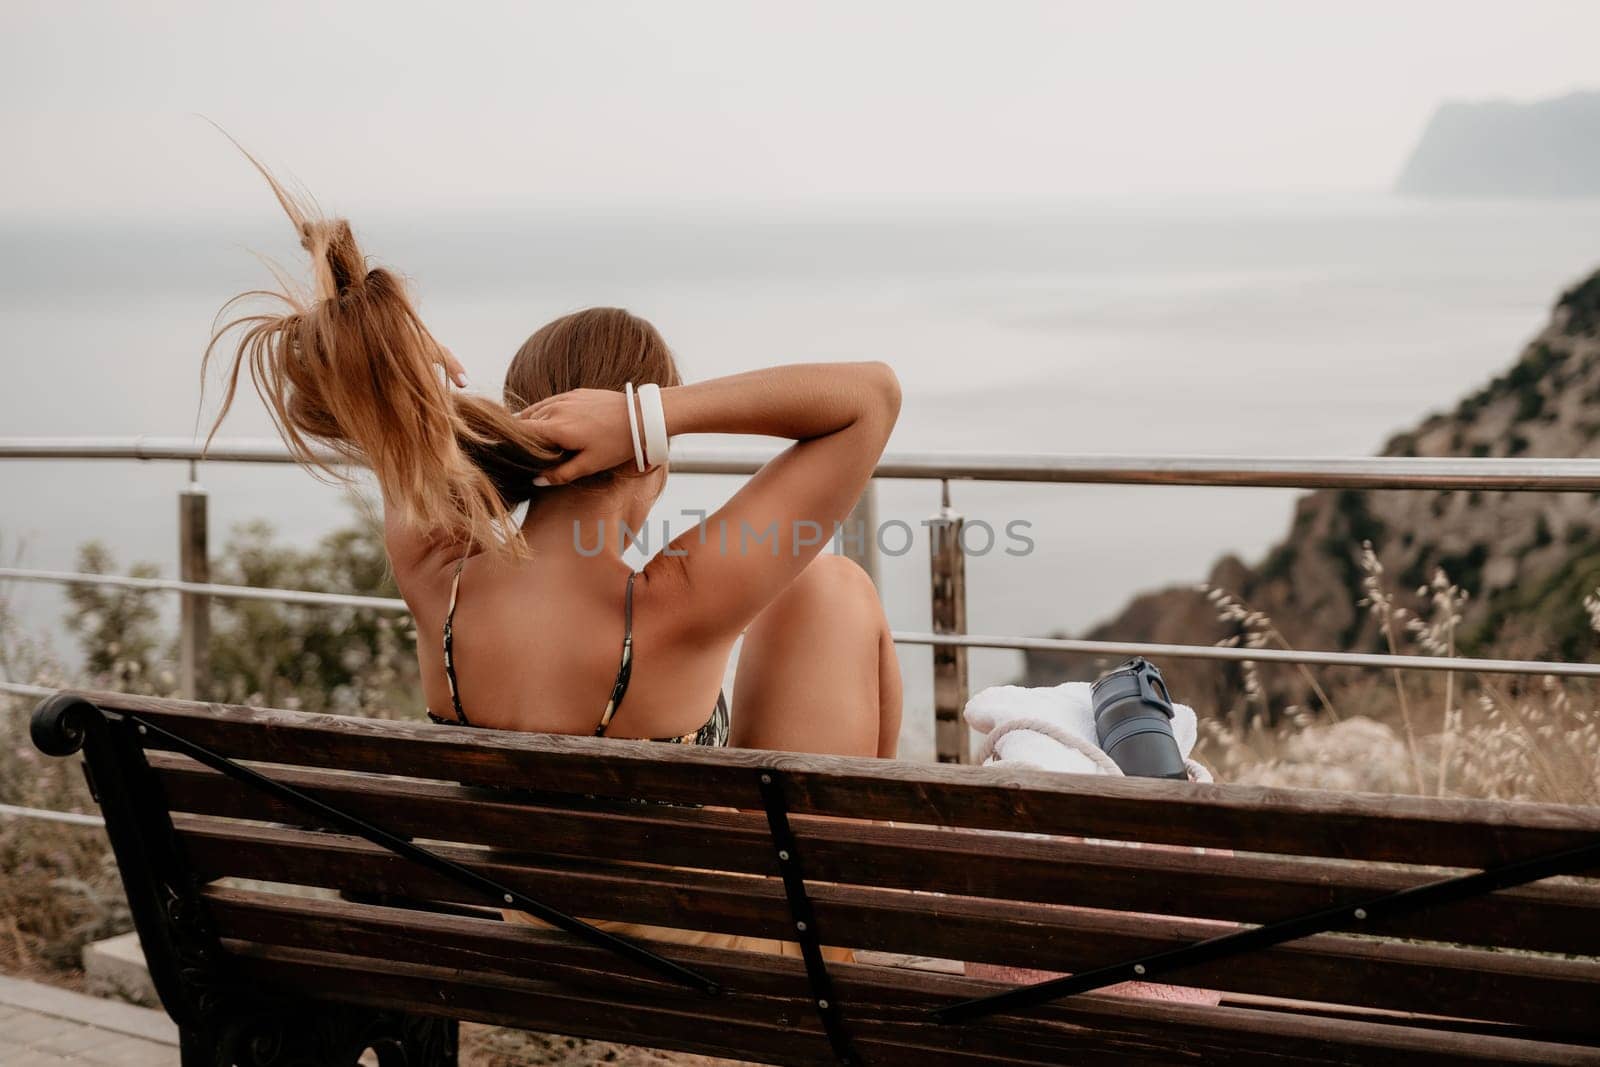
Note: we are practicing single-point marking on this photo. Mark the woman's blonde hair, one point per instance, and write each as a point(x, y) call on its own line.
point(350, 367)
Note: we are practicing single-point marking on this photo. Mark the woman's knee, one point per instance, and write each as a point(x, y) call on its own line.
point(833, 587)
point(810, 671)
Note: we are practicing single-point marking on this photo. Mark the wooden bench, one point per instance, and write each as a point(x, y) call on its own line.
point(399, 945)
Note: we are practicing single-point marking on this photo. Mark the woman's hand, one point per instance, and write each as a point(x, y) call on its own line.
point(590, 425)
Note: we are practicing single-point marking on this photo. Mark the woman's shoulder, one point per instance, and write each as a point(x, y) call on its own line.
point(424, 567)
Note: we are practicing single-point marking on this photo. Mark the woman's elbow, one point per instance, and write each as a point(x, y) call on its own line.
point(884, 391)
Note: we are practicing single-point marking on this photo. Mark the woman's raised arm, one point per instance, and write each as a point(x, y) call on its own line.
point(838, 414)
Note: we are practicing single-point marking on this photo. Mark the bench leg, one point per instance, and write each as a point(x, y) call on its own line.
point(419, 1041)
point(199, 1048)
point(320, 1035)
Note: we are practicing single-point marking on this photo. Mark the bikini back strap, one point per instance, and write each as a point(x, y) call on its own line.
point(625, 669)
point(449, 645)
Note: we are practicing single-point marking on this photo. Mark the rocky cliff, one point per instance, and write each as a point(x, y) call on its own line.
point(1548, 148)
point(1528, 559)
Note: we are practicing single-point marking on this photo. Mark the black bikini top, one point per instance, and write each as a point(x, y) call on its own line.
point(714, 732)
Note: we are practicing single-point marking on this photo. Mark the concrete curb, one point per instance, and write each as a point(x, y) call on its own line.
point(145, 1023)
point(116, 970)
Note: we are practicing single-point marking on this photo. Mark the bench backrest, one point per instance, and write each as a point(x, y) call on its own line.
point(896, 858)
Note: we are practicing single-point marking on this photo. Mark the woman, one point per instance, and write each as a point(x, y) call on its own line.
point(541, 625)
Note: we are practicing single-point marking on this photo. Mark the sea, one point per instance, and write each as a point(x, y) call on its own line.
point(1250, 326)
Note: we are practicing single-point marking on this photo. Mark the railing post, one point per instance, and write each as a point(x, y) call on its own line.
point(859, 540)
point(194, 612)
point(949, 574)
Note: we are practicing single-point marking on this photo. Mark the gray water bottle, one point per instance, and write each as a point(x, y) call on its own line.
point(1133, 722)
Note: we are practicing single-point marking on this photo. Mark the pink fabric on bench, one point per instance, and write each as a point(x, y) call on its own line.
point(1143, 990)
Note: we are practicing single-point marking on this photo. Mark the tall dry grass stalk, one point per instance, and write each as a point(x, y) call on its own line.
point(1258, 631)
point(1381, 603)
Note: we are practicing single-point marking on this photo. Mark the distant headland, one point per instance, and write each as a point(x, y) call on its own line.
point(1495, 148)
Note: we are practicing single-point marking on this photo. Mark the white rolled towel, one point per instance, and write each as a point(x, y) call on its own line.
point(1052, 729)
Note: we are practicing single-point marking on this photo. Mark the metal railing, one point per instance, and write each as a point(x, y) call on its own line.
point(949, 638)
point(1378, 472)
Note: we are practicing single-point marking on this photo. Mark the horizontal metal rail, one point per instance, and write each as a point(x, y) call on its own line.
point(73, 818)
point(22, 689)
point(1383, 661)
point(1383, 472)
point(1379, 660)
point(230, 592)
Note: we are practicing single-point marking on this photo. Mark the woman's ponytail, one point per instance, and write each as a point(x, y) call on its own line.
point(349, 367)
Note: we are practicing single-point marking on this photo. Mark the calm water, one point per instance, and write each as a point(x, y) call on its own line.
point(1309, 327)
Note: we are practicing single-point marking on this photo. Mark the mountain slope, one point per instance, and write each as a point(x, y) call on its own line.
point(1527, 558)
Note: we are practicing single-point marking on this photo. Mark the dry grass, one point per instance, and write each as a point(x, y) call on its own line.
point(59, 887)
point(1435, 733)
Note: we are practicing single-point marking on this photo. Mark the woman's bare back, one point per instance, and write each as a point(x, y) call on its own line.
point(537, 645)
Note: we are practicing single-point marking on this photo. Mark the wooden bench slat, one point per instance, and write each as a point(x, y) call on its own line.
point(1515, 988)
point(1561, 917)
point(670, 1023)
point(540, 1006)
point(394, 933)
point(1086, 1029)
point(1463, 833)
point(515, 950)
point(1386, 1016)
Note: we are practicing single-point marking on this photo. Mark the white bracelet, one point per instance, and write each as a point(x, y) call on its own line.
point(654, 417)
point(633, 428)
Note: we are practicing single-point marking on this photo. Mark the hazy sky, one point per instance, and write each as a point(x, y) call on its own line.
point(542, 106)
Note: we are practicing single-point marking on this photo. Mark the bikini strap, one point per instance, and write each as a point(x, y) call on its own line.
point(625, 670)
point(449, 645)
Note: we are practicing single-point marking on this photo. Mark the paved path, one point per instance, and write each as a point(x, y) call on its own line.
point(42, 1026)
